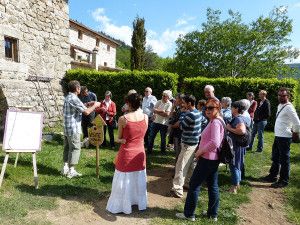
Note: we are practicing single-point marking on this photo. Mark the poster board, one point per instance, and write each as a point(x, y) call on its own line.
point(23, 131)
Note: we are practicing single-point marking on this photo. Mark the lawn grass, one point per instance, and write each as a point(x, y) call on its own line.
point(18, 196)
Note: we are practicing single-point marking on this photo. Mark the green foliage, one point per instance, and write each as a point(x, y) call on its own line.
point(123, 56)
point(237, 88)
point(231, 48)
point(138, 42)
point(119, 83)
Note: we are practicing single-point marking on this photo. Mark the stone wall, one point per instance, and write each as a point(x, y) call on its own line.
point(41, 28)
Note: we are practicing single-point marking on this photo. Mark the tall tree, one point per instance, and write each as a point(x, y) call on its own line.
point(233, 48)
point(138, 42)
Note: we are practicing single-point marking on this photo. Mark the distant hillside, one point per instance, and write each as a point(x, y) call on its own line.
point(123, 53)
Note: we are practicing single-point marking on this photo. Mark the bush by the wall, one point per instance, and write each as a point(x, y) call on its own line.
point(119, 83)
point(237, 88)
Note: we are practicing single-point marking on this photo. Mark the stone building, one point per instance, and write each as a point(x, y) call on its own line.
point(34, 55)
point(91, 49)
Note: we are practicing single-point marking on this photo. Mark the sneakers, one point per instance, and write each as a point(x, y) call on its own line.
point(65, 171)
point(279, 184)
point(173, 194)
point(269, 179)
point(182, 216)
point(73, 173)
point(204, 214)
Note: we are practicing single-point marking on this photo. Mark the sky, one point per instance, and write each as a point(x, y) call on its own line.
point(165, 20)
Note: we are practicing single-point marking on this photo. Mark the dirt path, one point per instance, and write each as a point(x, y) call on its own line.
point(75, 212)
point(265, 206)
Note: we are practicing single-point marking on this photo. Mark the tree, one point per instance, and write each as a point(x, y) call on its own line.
point(232, 48)
point(138, 42)
point(152, 60)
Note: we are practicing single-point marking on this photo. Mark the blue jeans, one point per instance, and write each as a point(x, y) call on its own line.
point(236, 174)
point(155, 127)
point(258, 127)
point(206, 170)
point(281, 159)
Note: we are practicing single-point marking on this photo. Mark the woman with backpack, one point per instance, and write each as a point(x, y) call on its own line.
point(240, 136)
point(207, 165)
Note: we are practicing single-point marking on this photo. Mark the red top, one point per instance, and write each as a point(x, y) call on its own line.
point(103, 110)
point(252, 108)
point(131, 156)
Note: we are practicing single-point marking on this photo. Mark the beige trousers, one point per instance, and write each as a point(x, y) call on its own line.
point(184, 168)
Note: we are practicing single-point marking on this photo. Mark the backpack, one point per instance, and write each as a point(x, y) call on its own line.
point(225, 150)
point(244, 139)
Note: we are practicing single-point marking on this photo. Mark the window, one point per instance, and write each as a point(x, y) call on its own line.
point(97, 42)
point(108, 48)
point(80, 34)
point(11, 48)
point(105, 64)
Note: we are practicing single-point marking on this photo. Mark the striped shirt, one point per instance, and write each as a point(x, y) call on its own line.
point(73, 109)
point(191, 127)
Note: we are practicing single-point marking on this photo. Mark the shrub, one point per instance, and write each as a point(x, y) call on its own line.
point(237, 88)
point(119, 83)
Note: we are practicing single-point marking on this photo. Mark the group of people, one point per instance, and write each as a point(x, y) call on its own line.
point(196, 129)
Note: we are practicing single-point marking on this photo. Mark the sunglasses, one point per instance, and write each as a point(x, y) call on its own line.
point(210, 108)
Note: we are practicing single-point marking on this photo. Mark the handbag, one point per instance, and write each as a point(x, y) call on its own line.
point(295, 137)
point(114, 123)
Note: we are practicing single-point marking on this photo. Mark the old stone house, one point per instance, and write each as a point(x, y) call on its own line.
point(91, 49)
point(34, 55)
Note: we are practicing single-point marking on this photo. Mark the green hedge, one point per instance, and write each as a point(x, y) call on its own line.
point(237, 88)
point(119, 83)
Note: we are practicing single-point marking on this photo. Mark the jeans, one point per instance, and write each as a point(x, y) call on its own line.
point(155, 127)
point(258, 127)
point(110, 133)
point(281, 159)
point(236, 174)
point(72, 149)
point(206, 170)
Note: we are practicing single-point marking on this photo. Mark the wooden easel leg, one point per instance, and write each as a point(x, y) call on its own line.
point(36, 181)
point(97, 162)
point(16, 161)
point(3, 168)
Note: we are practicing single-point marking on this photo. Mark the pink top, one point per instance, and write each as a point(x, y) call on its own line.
point(211, 139)
point(131, 156)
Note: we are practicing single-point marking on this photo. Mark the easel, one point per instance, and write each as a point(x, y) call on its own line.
point(96, 137)
point(17, 122)
point(35, 176)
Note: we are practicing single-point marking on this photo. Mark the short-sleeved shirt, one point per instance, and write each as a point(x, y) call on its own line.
point(72, 110)
point(85, 99)
point(166, 107)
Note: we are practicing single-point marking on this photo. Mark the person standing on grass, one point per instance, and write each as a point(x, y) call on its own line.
point(86, 97)
point(237, 127)
point(253, 106)
point(191, 130)
point(207, 165)
point(287, 122)
point(108, 111)
point(129, 186)
point(73, 110)
point(162, 110)
point(261, 115)
point(148, 104)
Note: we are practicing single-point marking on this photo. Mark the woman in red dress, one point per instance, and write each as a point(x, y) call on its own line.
point(129, 183)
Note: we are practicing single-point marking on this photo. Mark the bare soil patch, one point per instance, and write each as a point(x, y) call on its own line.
point(75, 211)
point(265, 206)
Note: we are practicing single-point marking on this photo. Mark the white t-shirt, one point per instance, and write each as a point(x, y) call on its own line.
point(286, 121)
point(166, 107)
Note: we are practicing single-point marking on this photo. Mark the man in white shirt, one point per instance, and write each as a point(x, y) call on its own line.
point(162, 110)
point(148, 104)
point(287, 121)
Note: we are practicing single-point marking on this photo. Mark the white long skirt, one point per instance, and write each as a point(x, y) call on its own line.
point(128, 188)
